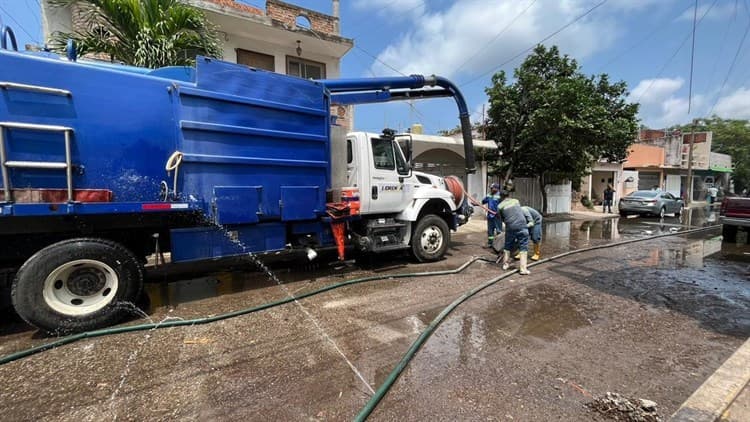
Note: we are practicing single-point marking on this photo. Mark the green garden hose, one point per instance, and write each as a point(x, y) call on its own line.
point(417, 344)
point(200, 321)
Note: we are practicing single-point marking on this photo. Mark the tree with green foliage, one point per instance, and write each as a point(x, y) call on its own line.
point(553, 121)
point(147, 33)
point(731, 137)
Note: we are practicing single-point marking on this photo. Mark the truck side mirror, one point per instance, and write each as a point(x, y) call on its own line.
point(408, 152)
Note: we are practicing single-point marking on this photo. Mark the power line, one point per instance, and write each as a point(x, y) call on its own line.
point(692, 58)
point(731, 67)
point(537, 43)
point(380, 61)
point(33, 38)
point(684, 40)
point(413, 107)
point(710, 79)
point(33, 13)
point(502, 31)
point(657, 28)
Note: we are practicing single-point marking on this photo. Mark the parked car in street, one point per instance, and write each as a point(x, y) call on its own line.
point(734, 216)
point(650, 202)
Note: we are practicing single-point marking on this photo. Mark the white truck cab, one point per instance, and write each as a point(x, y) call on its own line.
point(400, 208)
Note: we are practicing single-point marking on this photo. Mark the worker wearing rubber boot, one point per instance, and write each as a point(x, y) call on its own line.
point(493, 222)
point(535, 232)
point(516, 231)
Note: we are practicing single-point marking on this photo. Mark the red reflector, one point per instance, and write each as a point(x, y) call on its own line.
point(152, 207)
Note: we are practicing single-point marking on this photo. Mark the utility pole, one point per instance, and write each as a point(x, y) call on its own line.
point(484, 125)
point(690, 164)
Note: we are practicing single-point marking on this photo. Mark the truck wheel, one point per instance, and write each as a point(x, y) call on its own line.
point(431, 238)
point(77, 285)
point(729, 233)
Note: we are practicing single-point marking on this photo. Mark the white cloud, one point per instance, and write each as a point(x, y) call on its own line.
point(442, 41)
point(670, 109)
point(675, 110)
point(717, 12)
point(651, 91)
point(661, 106)
point(735, 105)
point(636, 4)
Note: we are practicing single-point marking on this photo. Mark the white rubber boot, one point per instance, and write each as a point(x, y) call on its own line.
point(522, 267)
point(506, 259)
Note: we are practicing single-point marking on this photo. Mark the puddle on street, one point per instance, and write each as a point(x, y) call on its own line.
point(706, 279)
point(537, 313)
point(566, 235)
point(174, 294)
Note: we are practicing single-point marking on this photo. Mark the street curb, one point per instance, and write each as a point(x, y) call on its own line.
point(717, 393)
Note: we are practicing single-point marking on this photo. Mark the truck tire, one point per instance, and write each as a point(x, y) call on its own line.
point(77, 285)
point(729, 233)
point(431, 238)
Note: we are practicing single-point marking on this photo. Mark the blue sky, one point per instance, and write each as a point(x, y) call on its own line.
point(466, 40)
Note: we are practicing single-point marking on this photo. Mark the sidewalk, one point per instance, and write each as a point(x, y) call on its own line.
point(724, 396)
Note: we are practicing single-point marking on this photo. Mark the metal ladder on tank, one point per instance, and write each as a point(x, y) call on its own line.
point(47, 165)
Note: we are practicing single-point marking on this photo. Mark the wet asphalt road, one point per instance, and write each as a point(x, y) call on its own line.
point(649, 320)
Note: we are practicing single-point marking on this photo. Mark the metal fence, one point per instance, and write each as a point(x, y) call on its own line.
point(528, 192)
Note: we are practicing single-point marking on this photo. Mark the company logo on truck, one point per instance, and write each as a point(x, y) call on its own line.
point(387, 188)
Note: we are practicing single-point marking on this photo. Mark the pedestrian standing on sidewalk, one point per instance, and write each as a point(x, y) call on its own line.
point(494, 225)
point(712, 193)
point(609, 195)
point(517, 226)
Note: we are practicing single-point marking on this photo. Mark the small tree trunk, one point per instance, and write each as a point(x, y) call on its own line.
point(542, 184)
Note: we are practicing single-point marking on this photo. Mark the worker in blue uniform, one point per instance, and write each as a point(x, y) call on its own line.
point(535, 232)
point(517, 224)
point(493, 222)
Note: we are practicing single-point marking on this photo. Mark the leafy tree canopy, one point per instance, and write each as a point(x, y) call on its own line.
point(552, 120)
point(147, 33)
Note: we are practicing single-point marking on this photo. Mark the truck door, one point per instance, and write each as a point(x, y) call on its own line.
point(389, 190)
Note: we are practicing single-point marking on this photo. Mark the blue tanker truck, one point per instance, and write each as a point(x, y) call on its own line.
point(103, 165)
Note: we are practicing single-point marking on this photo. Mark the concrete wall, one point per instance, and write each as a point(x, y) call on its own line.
point(559, 198)
point(476, 185)
point(645, 156)
point(288, 13)
point(527, 191)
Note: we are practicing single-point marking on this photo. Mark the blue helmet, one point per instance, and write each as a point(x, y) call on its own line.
point(495, 186)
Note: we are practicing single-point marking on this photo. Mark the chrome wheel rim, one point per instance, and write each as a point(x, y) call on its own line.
point(431, 239)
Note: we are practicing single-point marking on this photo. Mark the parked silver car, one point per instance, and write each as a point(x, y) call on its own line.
point(652, 202)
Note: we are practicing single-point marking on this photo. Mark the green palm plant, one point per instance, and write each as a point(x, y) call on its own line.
point(146, 33)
